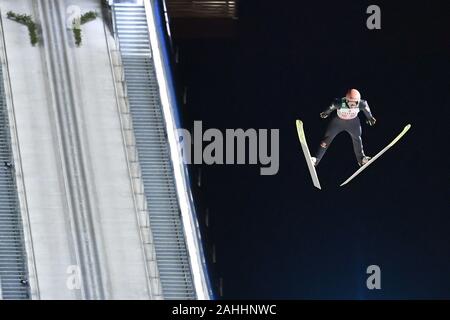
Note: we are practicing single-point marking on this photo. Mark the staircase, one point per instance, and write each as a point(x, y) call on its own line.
point(13, 271)
point(142, 94)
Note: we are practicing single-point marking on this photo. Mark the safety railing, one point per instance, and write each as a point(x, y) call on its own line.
point(163, 57)
point(141, 90)
point(135, 174)
point(17, 267)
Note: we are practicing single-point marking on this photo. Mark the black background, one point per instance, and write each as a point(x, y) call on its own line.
point(277, 236)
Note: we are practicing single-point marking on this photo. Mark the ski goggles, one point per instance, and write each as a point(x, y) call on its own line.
point(352, 102)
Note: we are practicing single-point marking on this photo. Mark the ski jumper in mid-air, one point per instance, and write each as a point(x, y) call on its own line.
point(346, 119)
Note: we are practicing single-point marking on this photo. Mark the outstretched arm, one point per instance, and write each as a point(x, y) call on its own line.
point(364, 106)
point(327, 112)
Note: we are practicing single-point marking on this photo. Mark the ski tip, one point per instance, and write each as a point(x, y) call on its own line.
point(408, 126)
point(299, 125)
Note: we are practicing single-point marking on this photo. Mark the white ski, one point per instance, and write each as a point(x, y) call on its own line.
point(312, 169)
point(378, 154)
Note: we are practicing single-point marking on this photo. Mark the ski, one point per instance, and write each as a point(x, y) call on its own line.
point(396, 139)
point(312, 169)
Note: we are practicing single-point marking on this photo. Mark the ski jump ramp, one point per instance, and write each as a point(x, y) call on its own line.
point(98, 222)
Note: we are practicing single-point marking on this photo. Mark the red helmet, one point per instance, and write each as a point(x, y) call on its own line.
point(353, 95)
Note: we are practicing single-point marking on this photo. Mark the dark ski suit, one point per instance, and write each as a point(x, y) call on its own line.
point(346, 119)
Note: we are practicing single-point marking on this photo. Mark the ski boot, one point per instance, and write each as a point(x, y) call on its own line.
point(314, 161)
point(364, 160)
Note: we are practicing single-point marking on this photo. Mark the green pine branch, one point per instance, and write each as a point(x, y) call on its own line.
point(26, 20)
point(88, 16)
point(77, 35)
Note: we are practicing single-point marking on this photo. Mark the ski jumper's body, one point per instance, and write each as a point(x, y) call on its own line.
point(346, 119)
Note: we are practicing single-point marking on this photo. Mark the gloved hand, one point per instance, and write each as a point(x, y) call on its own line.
point(323, 115)
point(371, 121)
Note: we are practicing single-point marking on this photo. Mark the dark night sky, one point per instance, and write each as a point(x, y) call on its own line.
point(279, 237)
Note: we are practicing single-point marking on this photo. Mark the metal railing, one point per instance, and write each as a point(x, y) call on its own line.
point(164, 64)
point(141, 90)
point(134, 170)
point(17, 268)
